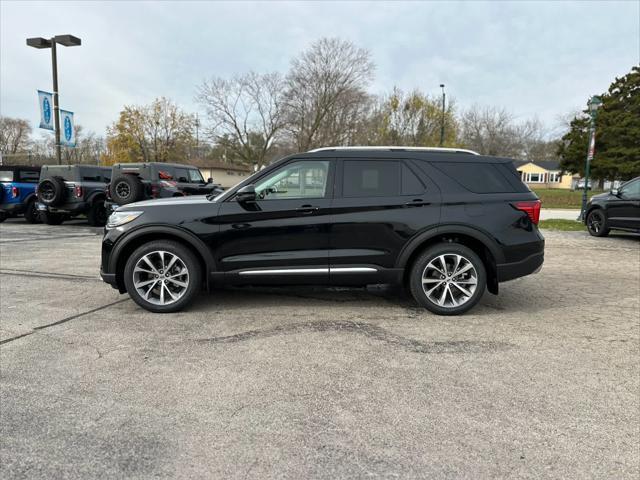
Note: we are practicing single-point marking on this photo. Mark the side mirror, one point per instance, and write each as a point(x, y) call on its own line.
point(209, 180)
point(246, 194)
point(615, 192)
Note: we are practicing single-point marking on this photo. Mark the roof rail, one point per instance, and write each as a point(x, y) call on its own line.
point(395, 147)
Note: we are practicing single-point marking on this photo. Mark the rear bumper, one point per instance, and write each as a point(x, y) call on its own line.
point(531, 264)
point(79, 207)
point(12, 207)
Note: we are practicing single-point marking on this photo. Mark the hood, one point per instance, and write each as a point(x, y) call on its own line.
point(173, 201)
point(602, 196)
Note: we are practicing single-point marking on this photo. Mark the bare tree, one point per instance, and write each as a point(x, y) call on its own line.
point(490, 131)
point(326, 93)
point(14, 135)
point(246, 113)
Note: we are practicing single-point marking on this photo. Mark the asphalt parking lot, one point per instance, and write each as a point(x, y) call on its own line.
point(541, 381)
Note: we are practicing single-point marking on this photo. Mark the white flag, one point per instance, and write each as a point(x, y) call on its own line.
point(67, 132)
point(45, 99)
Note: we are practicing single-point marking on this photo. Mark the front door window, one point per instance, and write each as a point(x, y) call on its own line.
point(303, 179)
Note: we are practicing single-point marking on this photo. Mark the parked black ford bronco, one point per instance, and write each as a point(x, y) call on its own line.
point(446, 224)
point(66, 191)
point(18, 192)
point(132, 182)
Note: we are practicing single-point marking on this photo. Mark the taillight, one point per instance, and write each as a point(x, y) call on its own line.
point(15, 192)
point(78, 191)
point(532, 209)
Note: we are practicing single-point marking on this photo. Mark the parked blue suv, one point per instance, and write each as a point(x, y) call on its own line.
point(18, 192)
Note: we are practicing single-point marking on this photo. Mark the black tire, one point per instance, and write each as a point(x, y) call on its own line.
point(597, 223)
point(51, 218)
point(189, 261)
point(97, 215)
point(51, 191)
point(31, 213)
point(126, 189)
point(3, 217)
point(442, 283)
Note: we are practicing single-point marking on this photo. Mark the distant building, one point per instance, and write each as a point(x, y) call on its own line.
point(226, 174)
point(544, 174)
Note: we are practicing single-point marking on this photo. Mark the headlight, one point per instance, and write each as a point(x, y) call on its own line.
point(117, 219)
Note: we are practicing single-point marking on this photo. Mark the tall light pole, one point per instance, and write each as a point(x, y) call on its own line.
point(67, 41)
point(442, 120)
point(593, 104)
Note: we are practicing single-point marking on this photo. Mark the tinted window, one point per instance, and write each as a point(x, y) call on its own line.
point(181, 175)
point(411, 184)
point(303, 179)
point(371, 178)
point(91, 174)
point(6, 176)
point(29, 177)
point(477, 177)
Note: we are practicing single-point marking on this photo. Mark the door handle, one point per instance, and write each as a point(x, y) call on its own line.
point(417, 202)
point(307, 209)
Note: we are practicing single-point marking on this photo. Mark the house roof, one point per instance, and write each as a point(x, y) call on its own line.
point(225, 166)
point(550, 165)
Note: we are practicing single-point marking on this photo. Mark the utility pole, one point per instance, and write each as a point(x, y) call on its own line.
point(67, 41)
point(442, 119)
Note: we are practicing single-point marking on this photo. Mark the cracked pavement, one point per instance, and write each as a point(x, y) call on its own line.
point(540, 381)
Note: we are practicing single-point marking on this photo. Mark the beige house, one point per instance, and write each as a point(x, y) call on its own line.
point(225, 174)
point(544, 174)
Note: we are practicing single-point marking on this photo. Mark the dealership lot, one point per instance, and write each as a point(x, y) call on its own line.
point(318, 383)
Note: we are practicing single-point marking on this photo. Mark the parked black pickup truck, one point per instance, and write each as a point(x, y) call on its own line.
point(66, 191)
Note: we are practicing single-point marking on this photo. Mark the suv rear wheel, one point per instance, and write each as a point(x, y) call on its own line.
point(31, 213)
point(448, 279)
point(162, 276)
point(97, 215)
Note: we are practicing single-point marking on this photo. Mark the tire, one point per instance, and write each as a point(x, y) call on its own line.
point(3, 217)
point(31, 213)
point(51, 191)
point(51, 218)
point(597, 224)
point(436, 287)
point(185, 260)
point(126, 189)
point(97, 215)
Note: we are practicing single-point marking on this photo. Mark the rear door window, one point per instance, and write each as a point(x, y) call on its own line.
point(181, 175)
point(411, 184)
point(29, 176)
point(371, 178)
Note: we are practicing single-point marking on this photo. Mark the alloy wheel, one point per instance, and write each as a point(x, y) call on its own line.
point(595, 222)
point(449, 280)
point(161, 277)
point(123, 190)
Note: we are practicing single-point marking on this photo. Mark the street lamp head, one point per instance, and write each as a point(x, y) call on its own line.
point(594, 103)
point(442, 85)
point(38, 42)
point(68, 40)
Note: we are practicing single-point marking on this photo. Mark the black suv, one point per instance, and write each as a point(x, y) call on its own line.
point(618, 209)
point(133, 182)
point(446, 224)
point(66, 191)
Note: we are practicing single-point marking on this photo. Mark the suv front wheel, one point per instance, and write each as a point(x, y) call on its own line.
point(448, 279)
point(162, 276)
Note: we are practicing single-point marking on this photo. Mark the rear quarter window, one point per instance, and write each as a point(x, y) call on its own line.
point(6, 176)
point(478, 177)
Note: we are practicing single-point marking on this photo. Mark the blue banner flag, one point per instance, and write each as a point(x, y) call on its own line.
point(67, 130)
point(45, 99)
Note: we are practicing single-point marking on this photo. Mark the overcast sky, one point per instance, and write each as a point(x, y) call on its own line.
point(535, 59)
